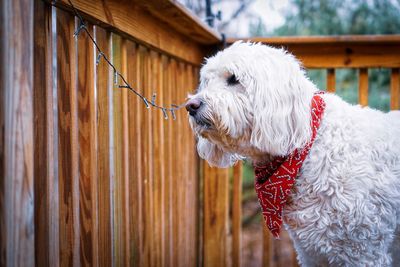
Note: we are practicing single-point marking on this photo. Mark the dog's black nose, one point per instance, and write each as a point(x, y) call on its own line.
point(193, 105)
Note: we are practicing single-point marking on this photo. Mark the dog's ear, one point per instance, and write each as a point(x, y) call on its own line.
point(214, 155)
point(281, 100)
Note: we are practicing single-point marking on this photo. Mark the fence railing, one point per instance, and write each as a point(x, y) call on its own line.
point(91, 176)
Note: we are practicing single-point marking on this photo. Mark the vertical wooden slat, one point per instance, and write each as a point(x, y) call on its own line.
point(180, 190)
point(174, 139)
point(192, 193)
point(45, 150)
point(87, 124)
point(164, 161)
point(105, 170)
point(17, 243)
point(267, 251)
point(157, 124)
point(363, 87)
point(395, 89)
point(135, 106)
point(68, 140)
point(118, 135)
point(331, 81)
point(216, 186)
point(169, 168)
point(146, 163)
point(237, 215)
point(125, 158)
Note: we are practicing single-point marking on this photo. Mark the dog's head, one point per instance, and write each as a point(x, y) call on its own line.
point(252, 100)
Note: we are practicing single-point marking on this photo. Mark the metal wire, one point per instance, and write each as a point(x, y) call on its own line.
point(117, 74)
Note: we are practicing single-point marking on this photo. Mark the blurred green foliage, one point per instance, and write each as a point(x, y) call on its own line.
point(340, 17)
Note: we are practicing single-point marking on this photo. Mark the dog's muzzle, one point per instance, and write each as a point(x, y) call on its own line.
point(193, 106)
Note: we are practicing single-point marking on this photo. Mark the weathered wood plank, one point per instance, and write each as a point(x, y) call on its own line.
point(146, 161)
point(363, 87)
point(216, 187)
point(135, 110)
point(340, 51)
point(17, 241)
point(175, 172)
point(331, 81)
point(67, 140)
point(268, 246)
point(395, 89)
point(157, 123)
point(125, 157)
point(144, 28)
point(87, 125)
point(182, 20)
point(237, 215)
point(168, 131)
point(118, 135)
point(45, 149)
point(105, 153)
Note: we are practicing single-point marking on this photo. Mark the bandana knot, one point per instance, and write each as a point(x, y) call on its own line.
point(276, 178)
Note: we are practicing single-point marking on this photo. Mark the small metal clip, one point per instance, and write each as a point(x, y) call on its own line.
point(173, 114)
point(98, 58)
point(78, 30)
point(115, 77)
point(146, 102)
point(165, 113)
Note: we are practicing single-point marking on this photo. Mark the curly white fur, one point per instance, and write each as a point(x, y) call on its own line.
point(345, 206)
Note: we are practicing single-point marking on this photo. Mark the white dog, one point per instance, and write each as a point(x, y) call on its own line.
point(253, 102)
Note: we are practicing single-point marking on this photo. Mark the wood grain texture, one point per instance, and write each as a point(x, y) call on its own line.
point(157, 140)
point(178, 17)
point(87, 127)
point(215, 216)
point(267, 250)
point(331, 80)
point(135, 157)
point(45, 149)
point(17, 240)
point(340, 51)
point(144, 28)
point(363, 87)
point(125, 157)
point(118, 135)
point(395, 89)
point(237, 214)
point(105, 153)
point(67, 140)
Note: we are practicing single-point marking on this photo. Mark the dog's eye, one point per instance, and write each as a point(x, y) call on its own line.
point(232, 80)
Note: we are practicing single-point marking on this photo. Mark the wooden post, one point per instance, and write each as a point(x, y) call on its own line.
point(268, 249)
point(216, 206)
point(237, 215)
point(331, 81)
point(17, 231)
point(45, 139)
point(395, 89)
point(363, 87)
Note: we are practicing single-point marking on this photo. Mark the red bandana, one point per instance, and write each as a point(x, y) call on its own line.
point(275, 180)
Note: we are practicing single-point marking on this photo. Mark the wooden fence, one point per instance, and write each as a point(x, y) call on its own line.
point(89, 175)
